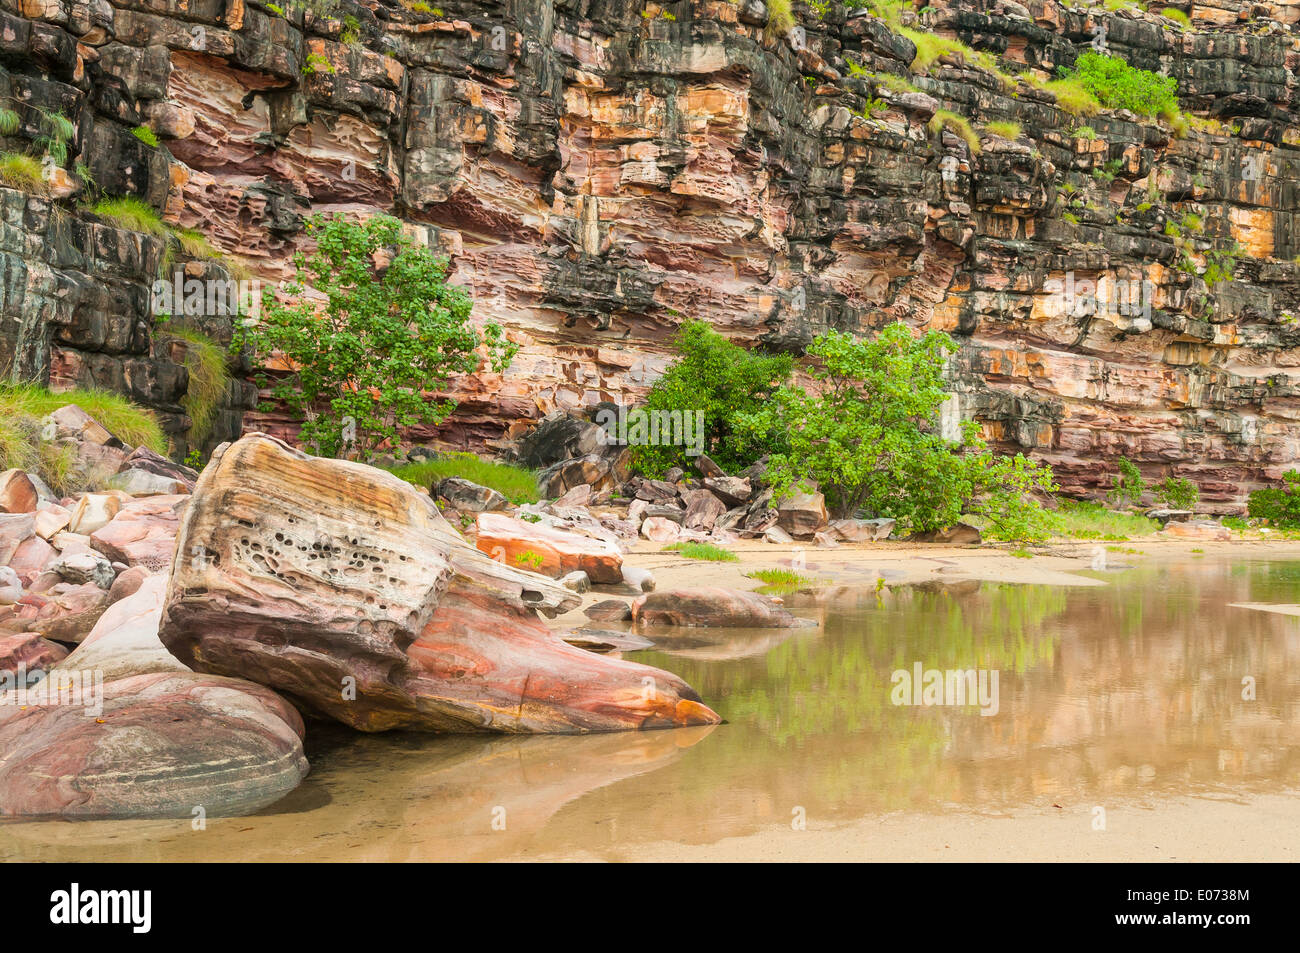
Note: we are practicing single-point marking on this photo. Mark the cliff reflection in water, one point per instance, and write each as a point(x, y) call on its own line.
point(1126, 691)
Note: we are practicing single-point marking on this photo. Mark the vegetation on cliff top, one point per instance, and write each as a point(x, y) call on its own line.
point(517, 484)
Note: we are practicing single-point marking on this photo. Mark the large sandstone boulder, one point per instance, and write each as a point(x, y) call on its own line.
point(713, 607)
point(521, 544)
point(801, 514)
point(343, 587)
point(157, 745)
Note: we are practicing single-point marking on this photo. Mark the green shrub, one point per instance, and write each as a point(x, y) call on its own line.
point(364, 361)
point(146, 135)
point(516, 484)
point(205, 360)
point(1116, 85)
point(1280, 505)
point(780, 17)
point(723, 381)
point(867, 437)
point(1177, 493)
point(705, 551)
point(1129, 485)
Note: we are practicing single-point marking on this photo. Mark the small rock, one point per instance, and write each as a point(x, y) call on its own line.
point(602, 641)
point(128, 582)
point(673, 474)
point(575, 581)
point(467, 496)
point(580, 495)
point(139, 482)
point(85, 567)
point(93, 511)
point(708, 468)
point(731, 490)
point(862, 531)
point(712, 607)
point(11, 587)
point(959, 534)
point(775, 534)
point(657, 529)
point(609, 610)
point(17, 494)
point(638, 578)
point(702, 510)
point(50, 519)
point(802, 514)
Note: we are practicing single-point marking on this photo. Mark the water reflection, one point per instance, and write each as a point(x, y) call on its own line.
point(1120, 691)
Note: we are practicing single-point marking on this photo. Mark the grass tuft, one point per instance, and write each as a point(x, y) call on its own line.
point(706, 551)
point(205, 360)
point(516, 484)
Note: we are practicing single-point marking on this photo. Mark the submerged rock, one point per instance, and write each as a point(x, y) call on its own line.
point(158, 745)
point(343, 587)
point(713, 607)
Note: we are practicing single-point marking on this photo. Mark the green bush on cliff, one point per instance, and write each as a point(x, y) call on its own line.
point(1129, 485)
point(1280, 505)
point(722, 381)
point(369, 328)
point(1116, 85)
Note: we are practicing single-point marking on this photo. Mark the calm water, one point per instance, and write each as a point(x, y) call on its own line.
point(1131, 691)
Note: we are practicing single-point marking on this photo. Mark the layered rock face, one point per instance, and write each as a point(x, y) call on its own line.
point(600, 170)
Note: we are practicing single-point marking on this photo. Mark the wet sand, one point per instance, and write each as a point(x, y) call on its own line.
point(1188, 830)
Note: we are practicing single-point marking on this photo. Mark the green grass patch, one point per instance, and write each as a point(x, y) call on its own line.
point(205, 360)
point(516, 484)
point(1116, 85)
point(1088, 520)
point(959, 125)
point(146, 135)
point(131, 213)
point(780, 578)
point(1178, 16)
point(21, 171)
point(1004, 130)
point(22, 408)
point(706, 551)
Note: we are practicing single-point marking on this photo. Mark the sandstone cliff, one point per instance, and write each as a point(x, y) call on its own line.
point(601, 169)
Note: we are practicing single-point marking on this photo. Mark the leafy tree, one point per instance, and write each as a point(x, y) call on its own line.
point(867, 437)
point(725, 382)
point(388, 330)
point(1129, 485)
point(1177, 493)
point(1280, 505)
